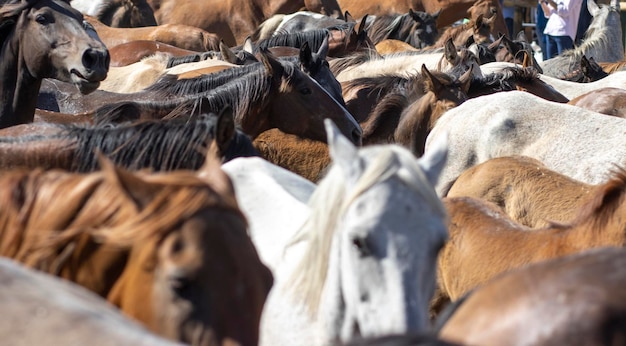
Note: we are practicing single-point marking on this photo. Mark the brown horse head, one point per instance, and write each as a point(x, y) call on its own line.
point(309, 102)
point(127, 14)
point(170, 250)
point(194, 274)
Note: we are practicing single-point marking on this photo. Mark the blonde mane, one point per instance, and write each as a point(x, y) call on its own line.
point(331, 200)
point(44, 211)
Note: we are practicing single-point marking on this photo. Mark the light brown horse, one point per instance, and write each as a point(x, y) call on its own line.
point(179, 35)
point(131, 52)
point(575, 300)
point(526, 190)
point(610, 101)
point(232, 20)
point(451, 10)
point(31, 35)
point(390, 46)
point(478, 29)
point(170, 250)
point(485, 242)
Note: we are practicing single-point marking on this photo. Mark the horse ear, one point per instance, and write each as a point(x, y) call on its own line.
point(272, 66)
point(224, 130)
point(431, 82)
point(466, 79)
point(140, 191)
point(526, 61)
point(322, 53)
point(248, 45)
point(360, 27)
point(211, 172)
point(521, 36)
point(227, 54)
point(306, 57)
point(478, 22)
point(496, 44)
point(341, 150)
point(510, 45)
point(593, 8)
point(348, 17)
point(434, 159)
point(450, 51)
point(585, 65)
point(470, 41)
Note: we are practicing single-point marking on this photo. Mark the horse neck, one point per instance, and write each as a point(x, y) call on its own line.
point(19, 89)
point(268, 8)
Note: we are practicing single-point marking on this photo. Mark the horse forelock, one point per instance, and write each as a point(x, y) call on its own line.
point(55, 208)
point(331, 200)
point(609, 197)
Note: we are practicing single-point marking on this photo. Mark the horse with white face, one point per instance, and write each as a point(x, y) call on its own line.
point(364, 261)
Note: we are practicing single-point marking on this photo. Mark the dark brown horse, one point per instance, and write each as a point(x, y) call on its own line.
point(415, 28)
point(280, 96)
point(575, 300)
point(170, 250)
point(44, 39)
point(478, 29)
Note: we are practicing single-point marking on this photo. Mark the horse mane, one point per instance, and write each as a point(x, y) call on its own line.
point(607, 199)
point(185, 59)
point(50, 210)
point(595, 36)
point(9, 11)
point(337, 65)
point(159, 145)
point(315, 38)
point(330, 201)
point(240, 93)
point(169, 84)
point(383, 84)
point(385, 25)
point(384, 117)
point(504, 80)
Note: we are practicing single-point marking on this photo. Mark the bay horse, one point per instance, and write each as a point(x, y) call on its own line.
point(465, 262)
point(525, 189)
point(30, 32)
point(610, 101)
point(581, 144)
point(68, 313)
point(118, 13)
point(179, 35)
point(602, 41)
point(478, 29)
point(169, 250)
point(349, 231)
point(162, 145)
point(577, 299)
point(280, 94)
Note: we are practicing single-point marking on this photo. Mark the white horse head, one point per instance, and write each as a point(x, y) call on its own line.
point(375, 229)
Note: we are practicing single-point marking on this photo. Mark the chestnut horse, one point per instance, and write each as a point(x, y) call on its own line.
point(131, 52)
point(179, 35)
point(610, 101)
point(485, 242)
point(232, 20)
point(170, 250)
point(574, 300)
point(30, 32)
point(118, 13)
point(449, 11)
point(529, 192)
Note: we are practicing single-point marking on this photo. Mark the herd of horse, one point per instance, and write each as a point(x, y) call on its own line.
point(308, 172)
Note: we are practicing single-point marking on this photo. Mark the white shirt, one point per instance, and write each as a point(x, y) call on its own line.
point(564, 20)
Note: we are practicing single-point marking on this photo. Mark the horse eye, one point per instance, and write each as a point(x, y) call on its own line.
point(41, 19)
point(360, 244)
point(305, 91)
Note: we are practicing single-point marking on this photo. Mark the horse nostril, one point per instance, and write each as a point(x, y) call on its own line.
point(90, 58)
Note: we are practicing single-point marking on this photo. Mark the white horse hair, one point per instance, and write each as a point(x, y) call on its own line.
point(364, 261)
point(573, 141)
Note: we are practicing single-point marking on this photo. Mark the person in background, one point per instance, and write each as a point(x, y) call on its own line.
point(508, 12)
point(561, 26)
point(542, 39)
